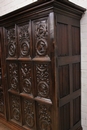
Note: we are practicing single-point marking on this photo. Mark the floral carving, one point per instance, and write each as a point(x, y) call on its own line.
point(42, 73)
point(29, 113)
point(13, 73)
point(24, 40)
point(15, 108)
point(44, 117)
point(1, 102)
point(26, 77)
point(41, 35)
point(11, 42)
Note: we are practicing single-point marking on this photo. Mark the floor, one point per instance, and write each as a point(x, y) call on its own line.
point(4, 127)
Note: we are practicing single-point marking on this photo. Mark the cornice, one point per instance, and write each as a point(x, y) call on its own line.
point(41, 6)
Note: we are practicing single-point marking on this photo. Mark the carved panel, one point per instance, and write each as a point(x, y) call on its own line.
point(13, 76)
point(28, 111)
point(11, 40)
point(43, 80)
point(44, 117)
point(15, 108)
point(1, 102)
point(26, 77)
point(41, 38)
point(24, 41)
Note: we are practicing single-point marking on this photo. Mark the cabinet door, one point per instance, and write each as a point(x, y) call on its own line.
point(28, 68)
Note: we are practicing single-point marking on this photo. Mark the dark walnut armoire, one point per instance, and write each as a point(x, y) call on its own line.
point(40, 67)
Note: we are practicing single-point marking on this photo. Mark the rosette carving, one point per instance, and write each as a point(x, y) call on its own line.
point(29, 113)
point(24, 40)
point(15, 108)
point(43, 83)
point(26, 77)
point(11, 42)
point(44, 117)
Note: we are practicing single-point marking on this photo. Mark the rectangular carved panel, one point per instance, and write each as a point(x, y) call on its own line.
point(75, 40)
point(1, 102)
point(44, 119)
point(43, 83)
point(62, 35)
point(26, 77)
point(65, 117)
point(76, 110)
point(11, 43)
point(28, 113)
point(40, 37)
point(76, 76)
point(13, 76)
point(24, 41)
point(15, 108)
point(64, 80)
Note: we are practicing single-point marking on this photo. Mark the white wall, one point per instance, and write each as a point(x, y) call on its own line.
point(83, 23)
point(7, 6)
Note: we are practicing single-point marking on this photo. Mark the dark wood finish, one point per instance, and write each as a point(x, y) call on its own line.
point(40, 67)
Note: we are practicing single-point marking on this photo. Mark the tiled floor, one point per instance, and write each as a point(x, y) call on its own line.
point(4, 127)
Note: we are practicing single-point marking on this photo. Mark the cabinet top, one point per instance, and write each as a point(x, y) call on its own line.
point(44, 6)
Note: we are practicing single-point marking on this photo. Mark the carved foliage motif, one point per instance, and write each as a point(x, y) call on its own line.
point(26, 77)
point(41, 34)
point(24, 40)
point(11, 42)
point(13, 76)
point(44, 117)
point(1, 102)
point(15, 107)
point(29, 113)
point(42, 76)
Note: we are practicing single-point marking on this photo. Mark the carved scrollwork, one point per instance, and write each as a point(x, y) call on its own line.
point(43, 82)
point(11, 42)
point(13, 73)
point(44, 117)
point(24, 40)
point(15, 107)
point(1, 102)
point(29, 113)
point(26, 77)
point(41, 34)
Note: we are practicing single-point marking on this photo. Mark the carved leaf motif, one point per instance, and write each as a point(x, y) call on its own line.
point(26, 77)
point(11, 42)
point(29, 113)
point(41, 35)
point(44, 117)
point(24, 40)
point(15, 107)
point(13, 73)
point(1, 102)
point(43, 83)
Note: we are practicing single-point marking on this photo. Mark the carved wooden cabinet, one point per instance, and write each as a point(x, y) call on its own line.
point(40, 67)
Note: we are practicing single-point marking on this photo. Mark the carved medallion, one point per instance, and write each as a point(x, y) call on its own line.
point(24, 40)
point(11, 42)
point(41, 35)
point(44, 117)
point(41, 47)
point(13, 73)
point(25, 73)
point(15, 107)
point(43, 82)
point(29, 113)
point(1, 102)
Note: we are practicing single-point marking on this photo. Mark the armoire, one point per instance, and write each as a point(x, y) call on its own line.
point(40, 77)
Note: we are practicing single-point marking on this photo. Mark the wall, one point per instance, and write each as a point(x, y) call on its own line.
point(7, 6)
point(83, 23)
